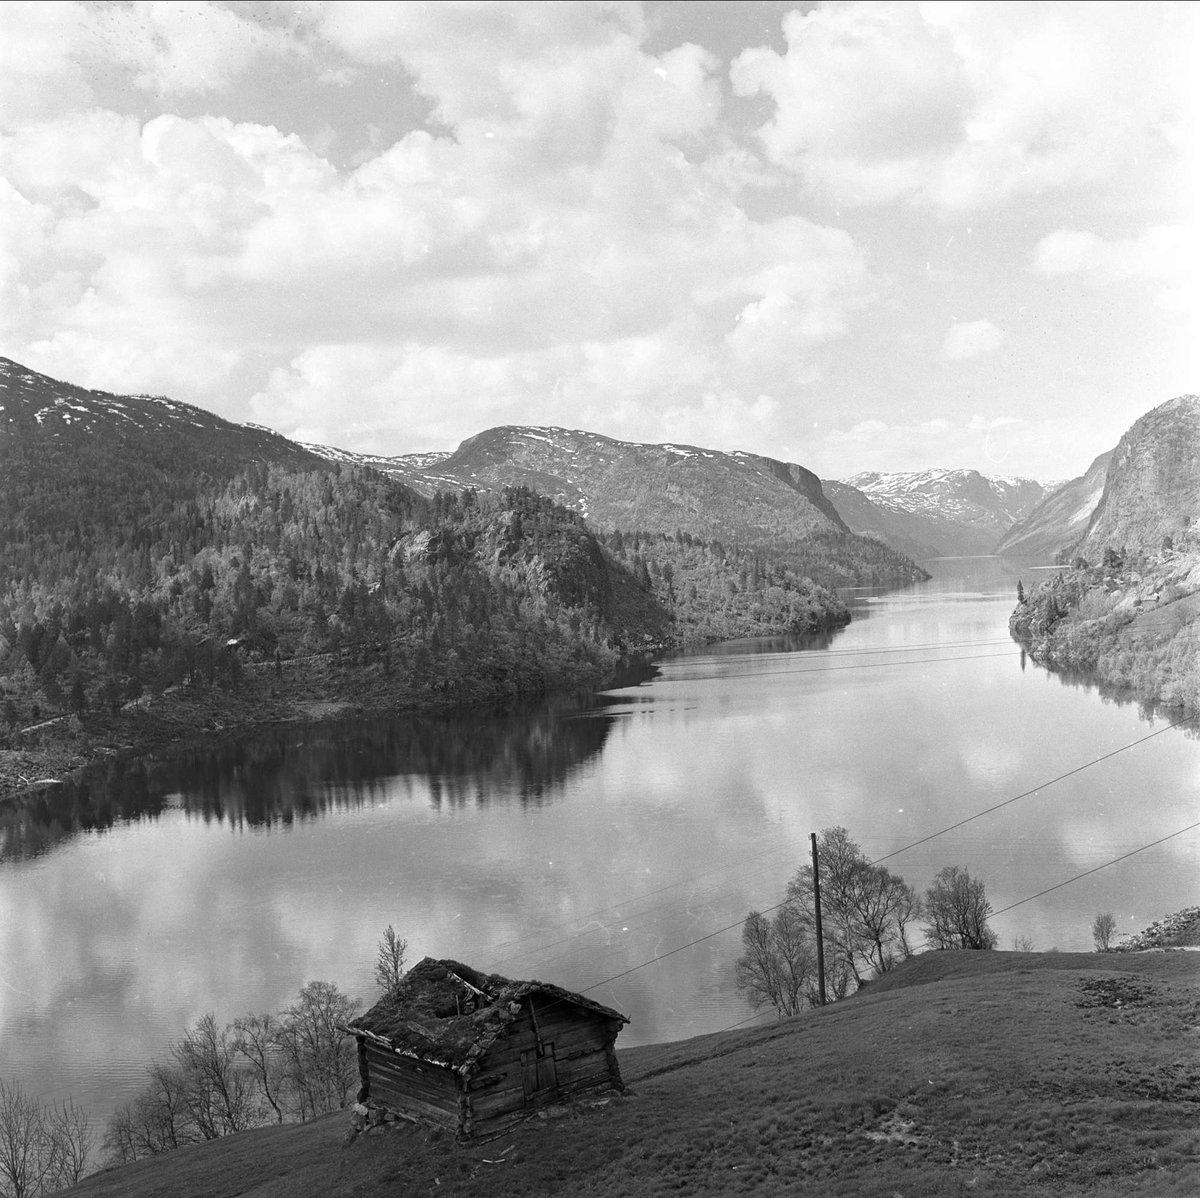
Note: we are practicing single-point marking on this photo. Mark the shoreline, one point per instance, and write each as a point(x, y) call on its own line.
point(71, 747)
point(297, 692)
point(1128, 632)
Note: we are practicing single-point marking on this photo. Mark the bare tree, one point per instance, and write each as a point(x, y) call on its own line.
point(1104, 927)
point(219, 1089)
point(256, 1037)
point(261, 1068)
point(867, 911)
point(321, 1061)
point(73, 1137)
point(42, 1148)
point(956, 911)
point(777, 967)
point(158, 1120)
point(23, 1162)
point(389, 963)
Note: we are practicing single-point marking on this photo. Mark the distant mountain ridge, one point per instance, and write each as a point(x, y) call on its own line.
point(748, 499)
point(1134, 496)
point(38, 410)
point(626, 484)
point(952, 512)
point(915, 535)
point(1061, 518)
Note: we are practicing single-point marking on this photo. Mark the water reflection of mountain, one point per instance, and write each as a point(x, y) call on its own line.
point(1149, 710)
point(297, 773)
point(765, 644)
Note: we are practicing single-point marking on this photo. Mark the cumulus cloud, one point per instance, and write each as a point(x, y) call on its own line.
point(57, 56)
point(970, 338)
point(961, 106)
point(184, 46)
point(1164, 254)
point(577, 223)
point(564, 225)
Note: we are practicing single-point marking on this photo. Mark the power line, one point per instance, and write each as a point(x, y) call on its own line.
point(1098, 868)
point(767, 910)
point(720, 869)
point(885, 857)
point(1027, 793)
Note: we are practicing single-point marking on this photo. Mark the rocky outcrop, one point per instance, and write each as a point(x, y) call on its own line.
point(1152, 486)
point(1057, 524)
point(1129, 624)
point(1181, 930)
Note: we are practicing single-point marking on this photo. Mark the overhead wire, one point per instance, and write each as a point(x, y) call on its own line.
point(757, 856)
point(1096, 869)
point(885, 857)
point(1027, 793)
point(924, 840)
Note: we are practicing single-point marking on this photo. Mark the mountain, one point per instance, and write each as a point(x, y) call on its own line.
point(54, 419)
point(1125, 612)
point(1152, 487)
point(149, 546)
point(757, 503)
point(913, 535)
point(1060, 519)
point(958, 512)
point(1134, 496)
point(79, 464)
point(622, 484)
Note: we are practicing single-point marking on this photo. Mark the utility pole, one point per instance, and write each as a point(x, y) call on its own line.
point(817, 909)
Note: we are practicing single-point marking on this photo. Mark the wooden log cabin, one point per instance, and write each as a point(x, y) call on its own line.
point(474, 1051)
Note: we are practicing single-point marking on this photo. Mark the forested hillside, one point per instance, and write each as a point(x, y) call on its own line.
point(773, 509)
point(148, 549)
point(494, 597)
point(1126, 611)
point(1128, 622)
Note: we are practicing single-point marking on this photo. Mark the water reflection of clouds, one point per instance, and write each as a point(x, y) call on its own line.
point(573, 844)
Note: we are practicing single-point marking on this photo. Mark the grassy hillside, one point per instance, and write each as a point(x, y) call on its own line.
point(959, 1073)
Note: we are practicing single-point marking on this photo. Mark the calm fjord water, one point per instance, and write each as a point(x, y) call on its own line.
point(580, 839)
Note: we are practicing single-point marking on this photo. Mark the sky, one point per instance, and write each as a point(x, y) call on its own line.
point(866, 236)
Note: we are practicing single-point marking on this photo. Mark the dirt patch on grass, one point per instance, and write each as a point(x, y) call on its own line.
point(1115, 992)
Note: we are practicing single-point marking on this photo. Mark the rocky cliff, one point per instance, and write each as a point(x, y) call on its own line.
point(1152, 485)
point(1059, 521)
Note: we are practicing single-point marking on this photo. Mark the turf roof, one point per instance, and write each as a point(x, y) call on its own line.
point(450, 1014)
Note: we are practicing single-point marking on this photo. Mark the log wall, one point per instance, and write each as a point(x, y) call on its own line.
point(407, 1085)
point(546, 1055)
point(583, 1059)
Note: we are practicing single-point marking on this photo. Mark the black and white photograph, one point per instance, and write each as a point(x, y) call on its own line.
point(599, 597)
